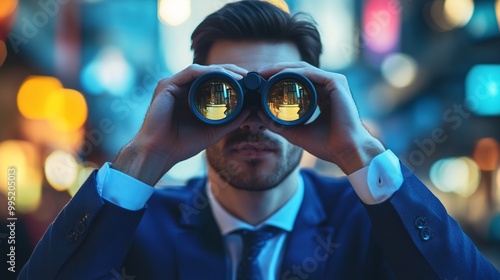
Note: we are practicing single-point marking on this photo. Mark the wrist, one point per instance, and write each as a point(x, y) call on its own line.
point(145, 165)
point(358, 154)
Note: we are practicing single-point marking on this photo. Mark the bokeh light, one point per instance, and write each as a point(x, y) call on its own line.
point(67, 109)
point(174, 12)
point(458, 12)
point(7, 7)
point(43, 98)
point(458, 175)
point(34, 94)
point(280, 4)
point(61, 170)
point(497, 11)
point(483, 89)
point(381, 25)
point(450, 14)
point(108, 72)
point(486, 154)
point(399, 70)
point(25, 158)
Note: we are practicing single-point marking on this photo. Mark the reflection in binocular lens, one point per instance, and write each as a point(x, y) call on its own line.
point(216, 99)
point(289, 100)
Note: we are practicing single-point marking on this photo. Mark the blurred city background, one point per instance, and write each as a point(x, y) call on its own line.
point(76, 78)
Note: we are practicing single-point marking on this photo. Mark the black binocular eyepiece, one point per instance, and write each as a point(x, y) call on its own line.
point(288, 98)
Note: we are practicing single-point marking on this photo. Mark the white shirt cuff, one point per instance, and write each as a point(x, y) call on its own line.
point(379, 180)
point(122, 189)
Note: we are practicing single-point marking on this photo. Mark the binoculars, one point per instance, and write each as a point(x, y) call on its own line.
point(288, 98)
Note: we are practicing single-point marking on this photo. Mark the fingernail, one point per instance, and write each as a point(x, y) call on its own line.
point(264, 68)
point(237, 76)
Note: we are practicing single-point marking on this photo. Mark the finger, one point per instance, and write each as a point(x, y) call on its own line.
point(275, 68)
point(234, 68)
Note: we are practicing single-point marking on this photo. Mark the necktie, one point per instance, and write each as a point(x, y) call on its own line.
point(253, 242)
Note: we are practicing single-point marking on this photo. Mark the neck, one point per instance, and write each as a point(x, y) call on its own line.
point(253, 207)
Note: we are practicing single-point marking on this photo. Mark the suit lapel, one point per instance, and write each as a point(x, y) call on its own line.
point(309, 245)
point(200, 249)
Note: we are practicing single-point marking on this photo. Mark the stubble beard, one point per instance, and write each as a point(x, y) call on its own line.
point(252, 175)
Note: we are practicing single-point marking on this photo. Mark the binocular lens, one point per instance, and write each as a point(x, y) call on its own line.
point(288, 100)
point(216, 99)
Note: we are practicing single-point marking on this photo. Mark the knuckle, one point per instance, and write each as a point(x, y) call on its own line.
point(219, 68)
point(194, 67)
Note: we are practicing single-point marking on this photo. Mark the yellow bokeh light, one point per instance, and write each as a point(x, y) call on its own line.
point(33, 96)
point(280, 4)
point(497, 9)
point(61, 170)
point(437, 16)
point(174, 12)
point(399, 70)
point(23, 159)
point(44, 98)
point(458, 12)
point(7, 8)
point(458, 175)
point(3, 52)
point(66, 109)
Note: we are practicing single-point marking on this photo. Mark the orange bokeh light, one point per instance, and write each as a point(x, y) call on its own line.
point(33, 96)
point(66, 109)
point(44, 98)
point(486, 154)
point(7, 8)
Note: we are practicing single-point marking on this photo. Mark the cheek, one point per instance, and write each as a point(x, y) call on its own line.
point(214, 151)
point(291, 152)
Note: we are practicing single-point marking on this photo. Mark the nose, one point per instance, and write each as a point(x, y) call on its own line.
point(253, 124)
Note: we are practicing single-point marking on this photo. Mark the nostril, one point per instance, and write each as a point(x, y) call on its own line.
point(253, 123)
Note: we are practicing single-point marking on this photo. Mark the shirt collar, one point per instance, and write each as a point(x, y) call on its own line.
point(284, 218)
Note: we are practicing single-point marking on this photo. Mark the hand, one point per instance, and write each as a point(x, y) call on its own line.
point(170, 133)
point(337, 135)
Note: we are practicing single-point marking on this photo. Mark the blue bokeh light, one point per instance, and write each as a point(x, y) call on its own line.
point(483, 90)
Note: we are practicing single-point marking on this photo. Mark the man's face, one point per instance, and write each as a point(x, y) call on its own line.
point(252, 157)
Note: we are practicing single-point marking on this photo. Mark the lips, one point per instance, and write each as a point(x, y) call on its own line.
point(252, 149)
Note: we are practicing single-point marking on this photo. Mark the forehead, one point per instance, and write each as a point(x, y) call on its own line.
point(252, 55)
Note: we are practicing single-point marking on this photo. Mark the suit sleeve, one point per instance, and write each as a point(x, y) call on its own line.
point(421, 241)
point(89, 239)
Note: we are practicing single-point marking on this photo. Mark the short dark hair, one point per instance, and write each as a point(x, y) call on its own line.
point(256, 20)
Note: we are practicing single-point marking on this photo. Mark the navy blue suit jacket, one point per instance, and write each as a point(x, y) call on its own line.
point(335, 236)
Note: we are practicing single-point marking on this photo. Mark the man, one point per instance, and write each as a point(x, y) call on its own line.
point(381, 223)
